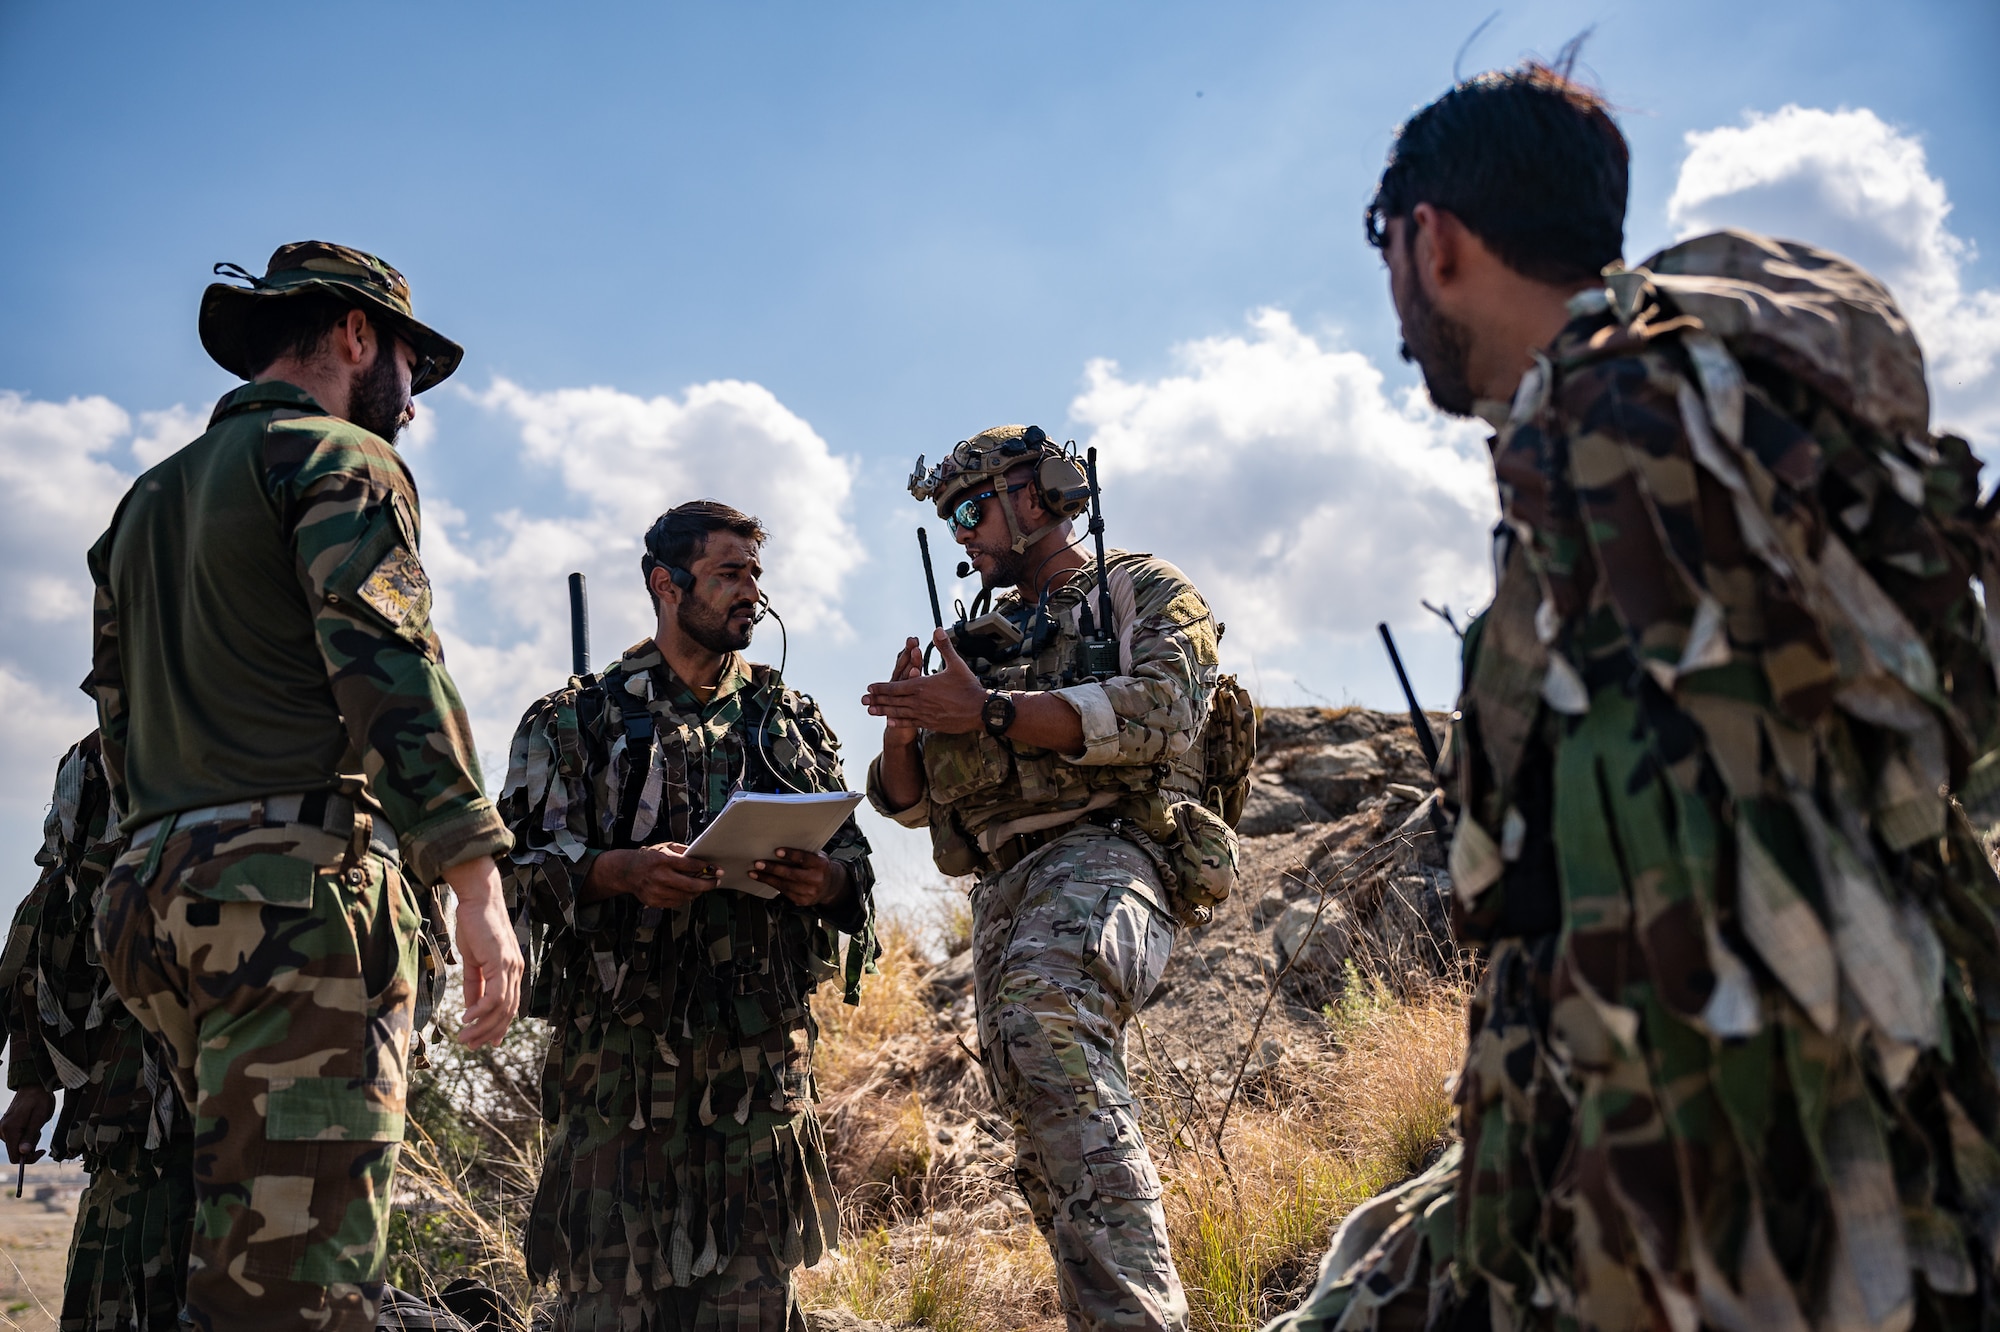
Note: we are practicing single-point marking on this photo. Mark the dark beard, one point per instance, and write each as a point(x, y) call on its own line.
point(711, 628)
point(1010, 569)
point(377, 401)
point(1441, 347)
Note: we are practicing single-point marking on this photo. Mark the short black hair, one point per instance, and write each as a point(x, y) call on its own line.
point(291, 325)
point(1529, 159)
point(677, 537)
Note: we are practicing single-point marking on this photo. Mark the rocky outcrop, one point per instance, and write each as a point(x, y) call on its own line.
point(1340, 863)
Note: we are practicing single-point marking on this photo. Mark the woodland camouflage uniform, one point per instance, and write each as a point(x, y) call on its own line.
point(1074, 911)
point(68, 1033)
point(296, 772)
point(686, 1176)
point(1727, 732)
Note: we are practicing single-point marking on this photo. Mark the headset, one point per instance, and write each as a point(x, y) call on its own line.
point(684, 580)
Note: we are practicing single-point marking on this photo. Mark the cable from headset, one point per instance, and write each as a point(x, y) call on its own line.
point(784, 655)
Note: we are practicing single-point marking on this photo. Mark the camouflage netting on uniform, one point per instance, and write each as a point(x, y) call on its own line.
point(68, 1033)
point(684, 1156)
point(1728, 733)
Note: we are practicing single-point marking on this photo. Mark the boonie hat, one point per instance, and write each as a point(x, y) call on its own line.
point(354, 275)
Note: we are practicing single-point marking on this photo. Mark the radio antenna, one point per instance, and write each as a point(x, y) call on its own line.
point(579, 626)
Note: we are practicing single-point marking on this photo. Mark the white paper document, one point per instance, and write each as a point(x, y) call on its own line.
point(752, 826)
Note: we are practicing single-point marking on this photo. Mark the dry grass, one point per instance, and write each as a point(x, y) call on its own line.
point(932, 1240)
point(934, 1234)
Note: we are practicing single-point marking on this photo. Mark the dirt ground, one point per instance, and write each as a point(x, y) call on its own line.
point(34, 1243)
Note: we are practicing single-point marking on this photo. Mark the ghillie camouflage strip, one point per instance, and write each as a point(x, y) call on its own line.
point(68, 1033)
point(1727, 734)
point(679, 1079)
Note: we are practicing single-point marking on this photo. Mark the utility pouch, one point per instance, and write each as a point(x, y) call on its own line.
point(956, 766)
point(1203, 856)
point(952, 851)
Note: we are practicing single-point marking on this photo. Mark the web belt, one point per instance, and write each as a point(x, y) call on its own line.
point(328, 811)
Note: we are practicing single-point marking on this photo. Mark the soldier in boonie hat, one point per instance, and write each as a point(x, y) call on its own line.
point(229, 314)
point(296, 777)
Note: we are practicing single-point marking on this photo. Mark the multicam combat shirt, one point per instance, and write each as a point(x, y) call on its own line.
point(262, 626)
point(1139, 726)
point(680, 1037)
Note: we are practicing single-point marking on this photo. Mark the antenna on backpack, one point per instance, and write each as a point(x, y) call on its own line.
point(579, 626)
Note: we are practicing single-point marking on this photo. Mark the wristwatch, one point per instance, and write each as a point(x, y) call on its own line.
point(998, 714)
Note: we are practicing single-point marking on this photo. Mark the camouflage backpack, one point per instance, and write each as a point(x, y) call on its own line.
point(1203, 849)
point(1229, 743)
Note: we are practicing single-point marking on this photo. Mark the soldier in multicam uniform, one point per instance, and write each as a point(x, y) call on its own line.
point(69, 1034)
point(686, 1178)
point(296, 774)
point(1074, 795)
point(1733, 1051)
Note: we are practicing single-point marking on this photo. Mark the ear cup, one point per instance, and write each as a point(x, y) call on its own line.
point(1064, 487)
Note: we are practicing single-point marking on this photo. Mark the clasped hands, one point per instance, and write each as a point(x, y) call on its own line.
point(667, 876)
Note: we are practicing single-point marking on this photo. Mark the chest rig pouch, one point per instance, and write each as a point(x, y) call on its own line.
point(979, 784)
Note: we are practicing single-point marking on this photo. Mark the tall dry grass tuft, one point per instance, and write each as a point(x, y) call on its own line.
point(471, 1159)
point(1249, 1222)
point(936, 1238)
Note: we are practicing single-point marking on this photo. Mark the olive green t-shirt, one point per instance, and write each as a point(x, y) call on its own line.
point(262, 626)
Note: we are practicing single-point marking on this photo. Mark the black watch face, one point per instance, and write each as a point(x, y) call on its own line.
point(999, 712)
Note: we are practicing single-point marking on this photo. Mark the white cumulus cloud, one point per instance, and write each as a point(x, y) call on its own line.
point(63, 467)
point(1299, 495)
point(619, 461)
point(1848, 181)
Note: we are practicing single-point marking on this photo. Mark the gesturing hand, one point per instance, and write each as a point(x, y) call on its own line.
point(806, 878)
point(909, 666)
point(947, 702)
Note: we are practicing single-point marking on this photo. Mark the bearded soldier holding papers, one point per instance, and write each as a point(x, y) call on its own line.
point(686, 1177)
point(1070, 782)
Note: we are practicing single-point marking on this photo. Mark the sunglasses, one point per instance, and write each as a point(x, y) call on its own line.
point(971, 510)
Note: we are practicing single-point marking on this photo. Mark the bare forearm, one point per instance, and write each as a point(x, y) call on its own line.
point(601, 880)
point(1046, 722)
point(902, 773)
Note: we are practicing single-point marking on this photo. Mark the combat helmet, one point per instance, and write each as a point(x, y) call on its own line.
point(982, 462)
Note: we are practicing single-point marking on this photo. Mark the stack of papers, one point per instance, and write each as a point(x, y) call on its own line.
point(753, 826)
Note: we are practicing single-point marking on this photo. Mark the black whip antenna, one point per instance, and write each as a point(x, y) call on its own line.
point(1418, 722)
point(930, 585)
point(1097, 531)
point(579, 626)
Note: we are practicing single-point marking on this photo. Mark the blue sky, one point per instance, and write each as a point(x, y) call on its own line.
point(771, 252)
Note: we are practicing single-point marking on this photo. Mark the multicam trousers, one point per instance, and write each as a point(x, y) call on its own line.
point(278, 963)
point(1066, 947)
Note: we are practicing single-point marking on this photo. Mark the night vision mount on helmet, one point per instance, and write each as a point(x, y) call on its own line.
point(1066, 485)
point(983, 462)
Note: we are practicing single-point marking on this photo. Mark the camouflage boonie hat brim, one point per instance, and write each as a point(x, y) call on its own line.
point(369, 283)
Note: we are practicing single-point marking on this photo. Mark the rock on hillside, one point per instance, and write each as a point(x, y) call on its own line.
point(1339, 864)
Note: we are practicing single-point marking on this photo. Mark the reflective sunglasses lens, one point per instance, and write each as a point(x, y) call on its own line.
point(966, 515)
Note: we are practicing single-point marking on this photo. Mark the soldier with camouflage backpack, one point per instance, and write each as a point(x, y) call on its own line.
point(296, 776)
point(686, 1179)
point(68, 1035)
point(1726, 734)
point(1058, 755)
